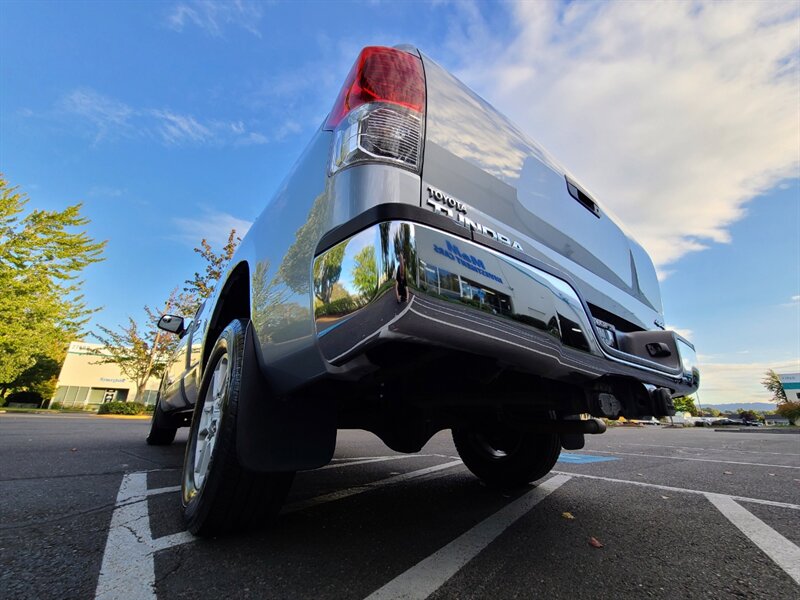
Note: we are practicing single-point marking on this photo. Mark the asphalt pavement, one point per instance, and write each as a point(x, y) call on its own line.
point(90, 511)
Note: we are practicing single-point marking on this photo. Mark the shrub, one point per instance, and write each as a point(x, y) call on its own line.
point(121, 408)
point(56, 406)
point(34, 398)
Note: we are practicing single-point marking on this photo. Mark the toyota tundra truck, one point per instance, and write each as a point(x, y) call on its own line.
point(424, 266)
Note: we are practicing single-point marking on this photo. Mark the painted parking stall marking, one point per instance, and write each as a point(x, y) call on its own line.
point(127, 571)
point(427, 576)
point(583, 459)
point(696, 459)
point(128, 564)
point(783, 552)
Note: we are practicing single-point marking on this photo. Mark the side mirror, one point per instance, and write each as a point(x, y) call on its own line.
point(171, 324)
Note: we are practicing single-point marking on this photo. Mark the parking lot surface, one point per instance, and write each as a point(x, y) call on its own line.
point(90, 511)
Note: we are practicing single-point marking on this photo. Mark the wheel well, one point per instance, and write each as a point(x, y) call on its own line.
point(232, 303)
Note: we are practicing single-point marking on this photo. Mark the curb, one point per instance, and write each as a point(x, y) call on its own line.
point(795, 431)
point(130, 417)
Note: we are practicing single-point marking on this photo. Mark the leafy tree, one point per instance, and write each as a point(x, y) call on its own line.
point(202, 285)
point(748, 415)
point(293, 270)
point(790, 410)
point(41, 309)
point(773, 383)
point(140, 352)
point(41, 376)
point(327, 271)
point(365, 271)
point(684, 404)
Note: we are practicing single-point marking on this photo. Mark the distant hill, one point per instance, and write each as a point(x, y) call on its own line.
point(756, 406)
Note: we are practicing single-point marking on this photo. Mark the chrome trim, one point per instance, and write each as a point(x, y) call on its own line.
point(423, 284)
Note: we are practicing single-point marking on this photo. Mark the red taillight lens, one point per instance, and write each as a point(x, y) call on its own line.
point(381, 75)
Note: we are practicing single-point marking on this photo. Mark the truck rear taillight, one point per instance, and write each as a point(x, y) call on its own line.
point(379, 114)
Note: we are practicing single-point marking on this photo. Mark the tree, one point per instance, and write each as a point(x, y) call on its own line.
point(327, 270)
point(201, 286)
point(773, 383)
point(293, 270)
point(41, 309)
point(139, 352)
point(710, 412)
point(790, 410)
point(748, 415)
point(365, 271)
point(685, 404)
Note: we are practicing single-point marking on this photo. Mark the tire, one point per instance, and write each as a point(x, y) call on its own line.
point(219, 496)
point(162, 433)
point(504, 458)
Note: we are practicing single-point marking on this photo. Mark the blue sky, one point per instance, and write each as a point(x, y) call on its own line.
point(173, 121)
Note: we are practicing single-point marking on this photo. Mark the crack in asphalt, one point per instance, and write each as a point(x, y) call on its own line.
point(94, 509)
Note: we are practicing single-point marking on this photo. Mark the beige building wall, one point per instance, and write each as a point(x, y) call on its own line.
point(85, 382)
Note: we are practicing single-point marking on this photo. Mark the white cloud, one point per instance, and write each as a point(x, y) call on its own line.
point(211, 225)
point(675, 114)
point(108, 118)
point(175, 128)
point(107, 115)
point(104, 191)
point(793, 303)
point(739, 382)
point(213, 16)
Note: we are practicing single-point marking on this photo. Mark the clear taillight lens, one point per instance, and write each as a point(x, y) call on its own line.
point(379, 114)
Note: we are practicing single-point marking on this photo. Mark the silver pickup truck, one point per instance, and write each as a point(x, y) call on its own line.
point(424, 266)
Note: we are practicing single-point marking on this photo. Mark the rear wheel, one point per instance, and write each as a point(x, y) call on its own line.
point(505, 458)
point(219, 495)
point(162, 433)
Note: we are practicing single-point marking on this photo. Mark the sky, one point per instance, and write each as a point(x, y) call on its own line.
point(174, 121)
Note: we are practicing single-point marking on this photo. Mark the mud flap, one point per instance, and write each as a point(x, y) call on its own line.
point(275, 434)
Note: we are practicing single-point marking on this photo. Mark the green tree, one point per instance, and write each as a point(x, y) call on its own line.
point(327, 270)
point(684, 404)
point(41, 309)
point(139, 351)
point(790, 410)
point(710, 412)
point(748, 415)
point(293, 270)
point(365, 271)
point(772, 382)
point(202, 285)
point(41, 376)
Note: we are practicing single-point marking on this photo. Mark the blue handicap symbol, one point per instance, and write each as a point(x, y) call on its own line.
point(582, 459)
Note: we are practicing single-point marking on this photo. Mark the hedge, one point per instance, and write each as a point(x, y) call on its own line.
point(121, 408)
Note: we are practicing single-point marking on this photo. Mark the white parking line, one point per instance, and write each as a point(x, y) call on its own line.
point(365, 461)
point(713, 460)
point(352, 491)
point(128, 568)
point(427, 576)
point(668, 488)
point(723, 449)
point(783, 552)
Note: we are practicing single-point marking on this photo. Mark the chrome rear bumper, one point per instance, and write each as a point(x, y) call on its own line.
point(400, 280)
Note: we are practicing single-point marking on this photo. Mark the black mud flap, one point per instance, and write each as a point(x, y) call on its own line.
point(273, 434)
